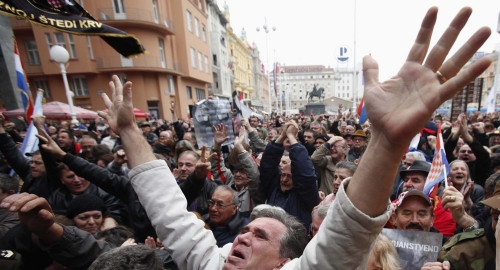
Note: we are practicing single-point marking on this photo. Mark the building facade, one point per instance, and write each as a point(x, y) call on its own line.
point(177, 67)
point(221, 86)
point(240, 60)
point(258, 77)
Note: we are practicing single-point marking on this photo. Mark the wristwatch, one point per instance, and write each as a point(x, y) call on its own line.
point(472, 227)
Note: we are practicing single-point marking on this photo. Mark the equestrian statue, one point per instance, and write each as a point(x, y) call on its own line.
point(316, 93)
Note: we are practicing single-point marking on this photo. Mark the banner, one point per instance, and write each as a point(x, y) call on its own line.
point(415, 248)
point(68, 16)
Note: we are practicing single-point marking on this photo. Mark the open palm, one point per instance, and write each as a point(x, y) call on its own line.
point(399, 107)
point(120, 111)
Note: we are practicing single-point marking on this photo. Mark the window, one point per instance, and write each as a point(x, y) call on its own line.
point(203, 33)
point(196, 27)
point(189, 21)
point(200, 94)
point(348, 87)
point(44, 85)
point(162, 52)
point(89, 47)
point(189, 92)
point(193, 57)
point(48, 37)
point(206, 64)
point(119, 7)
point(155, 10)
point(231, 52)
point(60, 39)
point(200, 61)
point(72, 47)
point(33, 56)
point(80, 87)
point(171, 86)
point(214, 59)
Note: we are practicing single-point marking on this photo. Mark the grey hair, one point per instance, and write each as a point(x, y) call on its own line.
point(8, 182)
point(466, 167)
point(316, 123)
point(350, 166)
point(294, 240)
point(322, 210)
point(137, 257)
point(286, 153)
point(234, 194)
point(416, 155)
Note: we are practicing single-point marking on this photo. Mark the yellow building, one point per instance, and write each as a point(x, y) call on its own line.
point(240, 60)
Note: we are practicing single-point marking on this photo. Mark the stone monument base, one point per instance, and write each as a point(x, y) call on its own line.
point(317, 108)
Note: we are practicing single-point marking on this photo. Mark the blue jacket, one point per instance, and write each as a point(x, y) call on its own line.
point(227, 234)
point(303, 197)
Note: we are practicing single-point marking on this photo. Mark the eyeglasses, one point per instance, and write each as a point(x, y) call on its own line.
point(211, 203)
point(466, 151)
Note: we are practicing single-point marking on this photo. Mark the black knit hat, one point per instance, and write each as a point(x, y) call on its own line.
point(84, 203)
point(161, 149)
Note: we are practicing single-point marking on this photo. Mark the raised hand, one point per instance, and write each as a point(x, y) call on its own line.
point(49, 145)
point(120, 113)
point(418, 89)
point(203, 165)
point(292, 129)
point(220, 137)
point(38, 121)
point(34, 212)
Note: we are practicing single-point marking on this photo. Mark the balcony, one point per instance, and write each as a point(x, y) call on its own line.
point(31, 69)
point(142, 62)
point(136, 17)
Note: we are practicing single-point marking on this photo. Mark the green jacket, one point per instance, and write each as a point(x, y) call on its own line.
point(469, 250)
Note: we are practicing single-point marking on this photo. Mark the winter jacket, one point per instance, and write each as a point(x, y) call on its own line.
point(227, 234)
point(323, 161)
point(60, 199)
point(346, 232)
point(303, 197)
point(42, 186)
point(8, 220)
point(256, 143)
point(250, 195)
point(198, 194)
point(351, 155)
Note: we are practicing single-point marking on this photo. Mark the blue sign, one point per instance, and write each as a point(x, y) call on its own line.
point(343, 54)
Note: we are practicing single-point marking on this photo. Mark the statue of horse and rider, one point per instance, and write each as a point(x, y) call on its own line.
point(316, 93)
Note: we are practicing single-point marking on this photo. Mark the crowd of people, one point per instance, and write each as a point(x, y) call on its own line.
point(291, 192)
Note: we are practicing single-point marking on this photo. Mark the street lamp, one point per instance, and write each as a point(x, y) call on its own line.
point(61, 56)
point(266, 31)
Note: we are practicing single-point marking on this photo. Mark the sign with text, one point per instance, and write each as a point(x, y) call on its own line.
point(415, 248)
point(471, 93)
point(68, 16)
point(208, 113)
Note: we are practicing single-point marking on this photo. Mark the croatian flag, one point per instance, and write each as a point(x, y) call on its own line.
point(30, 142)
point(362, 112)
point(22, 85)
point(440, 167)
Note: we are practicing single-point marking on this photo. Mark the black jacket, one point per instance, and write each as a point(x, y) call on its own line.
point(42, 186)
point(60, 199)
point(120, 187)
point(227, 234)
point(197, 198)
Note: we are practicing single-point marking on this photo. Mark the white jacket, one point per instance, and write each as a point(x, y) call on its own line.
point(343, 242)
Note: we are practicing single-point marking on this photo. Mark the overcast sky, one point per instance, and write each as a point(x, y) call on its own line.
point(309, 32)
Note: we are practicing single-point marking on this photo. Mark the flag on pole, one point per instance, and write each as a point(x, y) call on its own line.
point(22, 85)
point(362, 112)
point(439, 168)
point(490, 102)
point(30, 142)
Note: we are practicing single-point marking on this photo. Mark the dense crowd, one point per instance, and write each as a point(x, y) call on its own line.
point(291, 192)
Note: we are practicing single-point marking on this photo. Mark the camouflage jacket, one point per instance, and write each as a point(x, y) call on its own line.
point(469, 250)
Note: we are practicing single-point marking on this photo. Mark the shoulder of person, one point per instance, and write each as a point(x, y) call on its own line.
point(463, 237)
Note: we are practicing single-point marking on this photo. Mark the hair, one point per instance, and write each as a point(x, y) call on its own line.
point(253, 116)
point(106, 158)
point(490, 183)
point(233, 155)
point(193, 135)
point(386, 256)
point(64, 220)
point(321, 210)
point(70, 134)
point(294, 240)
point(416, 155)
point(234, 194)
point(115, 236)
point(37, 152)
point(181, 146)
point(189, 152)
point(316, 123)
point(350, 166)
point(61, 167)
point(88, 137)
point(495, 161)
point(466, 167)
point(99, 150)
point(8, 182)
point(136, 257)
point(490, 140)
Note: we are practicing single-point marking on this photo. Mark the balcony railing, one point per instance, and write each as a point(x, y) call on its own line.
point(142, 61)
point(137, 15)
point(32, 69)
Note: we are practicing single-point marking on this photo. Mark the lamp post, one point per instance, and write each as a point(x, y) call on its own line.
point(266, 31)
point(61, 56)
